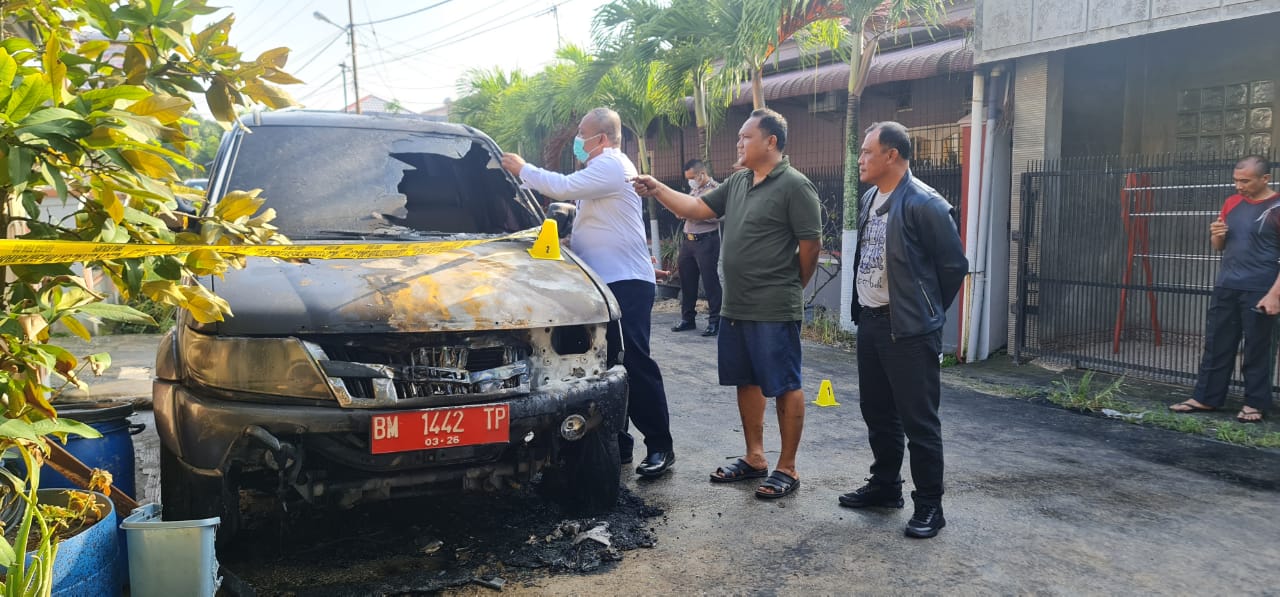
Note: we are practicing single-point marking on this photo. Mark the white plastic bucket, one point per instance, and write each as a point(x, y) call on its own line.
point(170, 557)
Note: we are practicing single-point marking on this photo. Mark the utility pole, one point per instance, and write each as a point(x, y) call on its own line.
point(355, 72)
point(555, 14)
point(345, 103)
point(351, 37)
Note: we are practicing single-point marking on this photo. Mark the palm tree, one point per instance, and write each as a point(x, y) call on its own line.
point(483, 94)
point(756, 36)
point(686, 36)
point(630, 76)
point(856, 27)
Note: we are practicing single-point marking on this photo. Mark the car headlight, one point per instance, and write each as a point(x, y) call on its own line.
point(274, 366)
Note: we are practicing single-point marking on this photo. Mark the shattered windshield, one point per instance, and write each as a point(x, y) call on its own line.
point(356, 183)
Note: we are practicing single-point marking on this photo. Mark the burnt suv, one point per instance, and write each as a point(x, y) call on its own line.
point(339, 381)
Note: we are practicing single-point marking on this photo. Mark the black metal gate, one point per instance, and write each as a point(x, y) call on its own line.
point(1114, 264)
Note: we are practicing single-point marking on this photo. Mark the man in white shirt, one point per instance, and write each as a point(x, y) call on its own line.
point(608, 234)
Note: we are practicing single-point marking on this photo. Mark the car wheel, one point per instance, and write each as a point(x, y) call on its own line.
point(588, 479)
point(184, 496)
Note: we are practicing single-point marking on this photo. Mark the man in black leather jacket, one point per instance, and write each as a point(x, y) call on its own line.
point(909, 265)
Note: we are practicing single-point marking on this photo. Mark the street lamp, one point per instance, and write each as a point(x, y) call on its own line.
point(351, 31)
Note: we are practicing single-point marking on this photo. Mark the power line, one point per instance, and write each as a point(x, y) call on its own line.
point(472, 34)
point(262, 26)
point(457, 21)
point(321, 52)
point(320, 87)
point(410, 13)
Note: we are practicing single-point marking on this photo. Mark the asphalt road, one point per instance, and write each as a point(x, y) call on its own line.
point(1039, 500)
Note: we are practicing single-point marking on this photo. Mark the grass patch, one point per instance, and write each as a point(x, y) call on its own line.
point(1027, 392)
point(949, 360)
point(1176, 422)
point(163, 314)
point(825, 328)
point(1083, 396)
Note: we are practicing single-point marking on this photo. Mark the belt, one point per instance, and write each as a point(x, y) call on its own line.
point(695, 237)
point(882, 311)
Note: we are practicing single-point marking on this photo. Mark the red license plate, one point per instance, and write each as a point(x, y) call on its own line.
point(440, 428)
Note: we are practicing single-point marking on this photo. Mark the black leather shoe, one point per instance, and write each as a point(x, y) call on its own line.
point(874, 495)
point(711, 330)
point(656, 464)
point(926, 522)
point(684, 326)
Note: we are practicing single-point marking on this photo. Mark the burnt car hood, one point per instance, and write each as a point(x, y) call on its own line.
point(491, 286)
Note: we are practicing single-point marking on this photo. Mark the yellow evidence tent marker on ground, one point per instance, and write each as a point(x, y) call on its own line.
point(826, 396)
point(548, 244)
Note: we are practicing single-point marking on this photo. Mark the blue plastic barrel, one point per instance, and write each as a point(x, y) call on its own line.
point(87, 564)
point(112, 452)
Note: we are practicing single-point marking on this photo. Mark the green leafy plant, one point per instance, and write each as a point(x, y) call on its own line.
point(1082, 396)
point(91, 128)
point(825, 328)
point(163, 315)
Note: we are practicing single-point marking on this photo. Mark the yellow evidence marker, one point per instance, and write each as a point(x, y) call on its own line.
point(548, 244)
point(826, 395)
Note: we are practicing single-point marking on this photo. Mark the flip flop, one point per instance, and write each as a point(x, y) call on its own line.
point(738, 471)
point(1189, 408)
point(1253, 417)
point(779, 483)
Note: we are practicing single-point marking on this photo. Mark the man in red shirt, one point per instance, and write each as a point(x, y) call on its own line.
point(1246, 296)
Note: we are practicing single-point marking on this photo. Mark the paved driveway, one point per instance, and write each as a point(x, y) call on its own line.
point(1039, 500)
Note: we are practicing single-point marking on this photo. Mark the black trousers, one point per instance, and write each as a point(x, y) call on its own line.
point(647, 402)
point(899, 388)
point(1230, 316)
point(698, 260)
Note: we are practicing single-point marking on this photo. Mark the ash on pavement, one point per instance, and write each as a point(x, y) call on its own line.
point(425, 545)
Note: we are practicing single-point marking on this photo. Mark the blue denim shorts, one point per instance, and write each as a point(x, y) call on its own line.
point(760, 353)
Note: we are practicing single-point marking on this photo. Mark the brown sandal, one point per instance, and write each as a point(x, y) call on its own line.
point(1254, 416)
point(1190, 407)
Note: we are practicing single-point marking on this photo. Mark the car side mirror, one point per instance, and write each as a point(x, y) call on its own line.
point(179, 221)
point(563, 214)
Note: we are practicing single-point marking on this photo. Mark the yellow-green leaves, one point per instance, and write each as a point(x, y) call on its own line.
point(8, 70)
point(275, 57)
point(55, 70)
point(33, 91)
point(238, 204)
point(106, 97)
point(149, 164)
point(269, 94)
point(165, 108)
point(221, 103)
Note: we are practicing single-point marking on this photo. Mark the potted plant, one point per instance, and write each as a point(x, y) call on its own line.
point(94, 129)
point(669, 263)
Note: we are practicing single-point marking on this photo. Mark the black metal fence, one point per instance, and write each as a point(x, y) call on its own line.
point(1114, 264)
point(944, 176)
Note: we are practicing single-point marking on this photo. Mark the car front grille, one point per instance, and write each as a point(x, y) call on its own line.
point(427, 365)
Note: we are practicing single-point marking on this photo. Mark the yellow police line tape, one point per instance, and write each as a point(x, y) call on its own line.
point(37, 252)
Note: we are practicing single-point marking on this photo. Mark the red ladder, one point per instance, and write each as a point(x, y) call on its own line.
point(1137, 204)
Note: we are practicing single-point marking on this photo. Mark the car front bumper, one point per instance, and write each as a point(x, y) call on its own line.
point(313, 445)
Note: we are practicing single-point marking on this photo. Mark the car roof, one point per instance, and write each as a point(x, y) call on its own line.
point(327, 119)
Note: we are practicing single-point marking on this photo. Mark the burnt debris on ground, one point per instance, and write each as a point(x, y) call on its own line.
point(425, 545)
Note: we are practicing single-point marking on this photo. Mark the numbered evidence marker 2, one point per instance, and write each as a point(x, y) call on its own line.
point(548, 244)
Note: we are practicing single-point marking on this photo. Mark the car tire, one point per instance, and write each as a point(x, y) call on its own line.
point(588, 479)
point(184, 496)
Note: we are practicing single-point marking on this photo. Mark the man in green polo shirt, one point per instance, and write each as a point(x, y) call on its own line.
point(772, 225)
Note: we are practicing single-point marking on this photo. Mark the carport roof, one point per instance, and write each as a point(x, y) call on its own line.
point(918, 62)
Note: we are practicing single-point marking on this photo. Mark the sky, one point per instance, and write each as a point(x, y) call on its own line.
point(416, 59)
